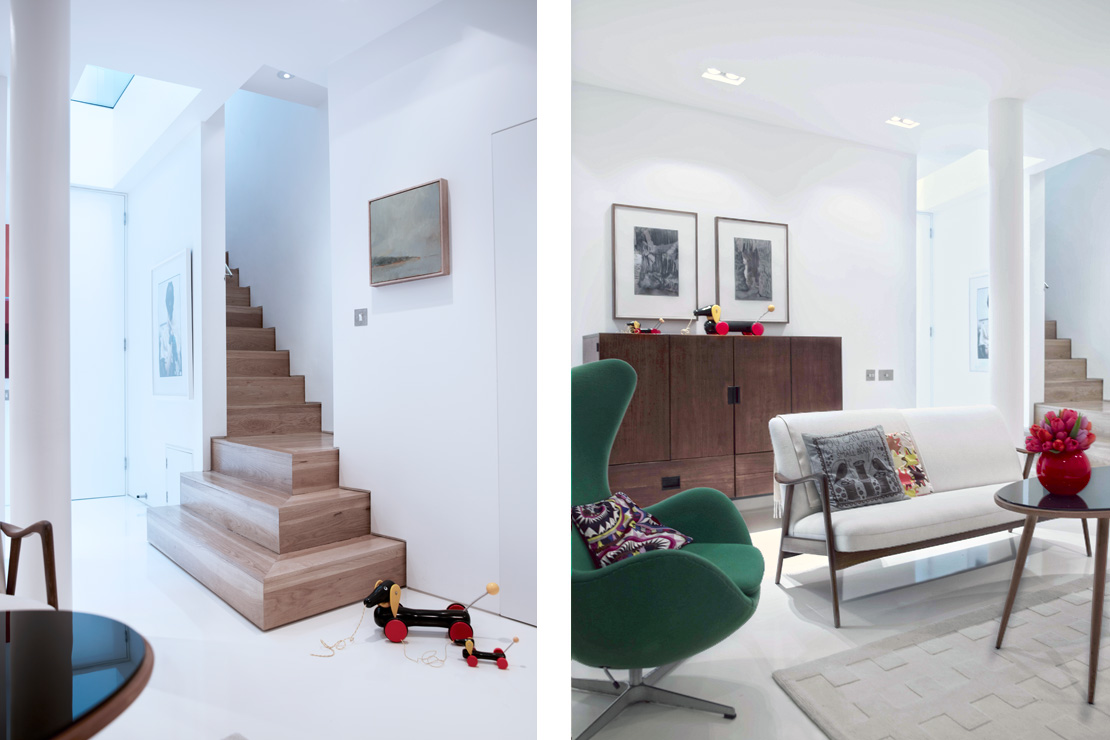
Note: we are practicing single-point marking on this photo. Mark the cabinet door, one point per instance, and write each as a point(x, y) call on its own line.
point(644, 434)
point(762, 369)
point(701, 418)
point(816, 374)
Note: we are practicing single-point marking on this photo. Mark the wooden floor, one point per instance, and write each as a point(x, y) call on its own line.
point(268, 529)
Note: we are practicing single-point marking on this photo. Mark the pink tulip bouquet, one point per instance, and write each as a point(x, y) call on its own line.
point(1069, 431)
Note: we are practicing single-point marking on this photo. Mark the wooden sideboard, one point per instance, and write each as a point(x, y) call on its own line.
point(699, 415)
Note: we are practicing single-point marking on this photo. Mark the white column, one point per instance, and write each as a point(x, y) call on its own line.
point(40, 284)
point(1007, 271)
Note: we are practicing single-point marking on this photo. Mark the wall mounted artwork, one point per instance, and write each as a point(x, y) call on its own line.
point(409, 237)
point(979, 327)
point(655, 263)
point(171, 319)
point(753, 270)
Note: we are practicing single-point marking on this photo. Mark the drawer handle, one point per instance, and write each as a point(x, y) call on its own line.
point(732, 394)
point(671, 481)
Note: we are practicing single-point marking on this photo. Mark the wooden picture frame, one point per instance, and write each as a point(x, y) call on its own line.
point(768, 243)
point(409, 227)
point(673, 293)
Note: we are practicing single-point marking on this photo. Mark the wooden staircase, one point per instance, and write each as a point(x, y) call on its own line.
point(1065, 377)
point(268, 529)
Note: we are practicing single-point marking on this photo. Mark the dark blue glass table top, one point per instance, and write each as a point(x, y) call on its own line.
point(58, 666)
point(1095, 498)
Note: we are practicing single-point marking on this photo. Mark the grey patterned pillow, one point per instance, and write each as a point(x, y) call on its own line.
point(858, 465)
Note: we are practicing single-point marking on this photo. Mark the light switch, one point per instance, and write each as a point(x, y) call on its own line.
point(870, 374)
point(360, 317)
point(886, 375)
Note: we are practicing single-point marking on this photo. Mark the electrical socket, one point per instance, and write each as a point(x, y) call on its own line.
point(360, 317)
point(870, 374)
point(886, 375)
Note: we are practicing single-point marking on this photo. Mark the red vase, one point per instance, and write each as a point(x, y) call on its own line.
point(1064, 473)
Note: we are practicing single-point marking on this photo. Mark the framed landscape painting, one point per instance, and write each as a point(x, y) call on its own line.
point(171, 319)
point(753, 270)
point(409, 235)
point(655, 263)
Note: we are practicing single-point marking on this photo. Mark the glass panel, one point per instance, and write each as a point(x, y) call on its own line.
point(99, 86)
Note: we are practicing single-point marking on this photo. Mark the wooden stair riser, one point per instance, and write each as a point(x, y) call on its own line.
point(244, 316)
point(300, 472)
point(269, 589)
point(249, 338)
point(237, 296)
point(232, 280)
point(291, 418)
point(1050, 330)
point(243, 391)
point(1061, 391)
point(1057, 349)
point(255, 363)
point(1075, 369)
point(282, 523)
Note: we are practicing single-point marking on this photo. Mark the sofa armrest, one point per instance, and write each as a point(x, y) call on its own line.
point(45, 531)
point(788, 499)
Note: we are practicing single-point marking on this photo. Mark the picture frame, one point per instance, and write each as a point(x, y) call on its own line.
point(171, 291)
point(409, 234)
point(978, 330)
point(753, 269)
point(655, 262)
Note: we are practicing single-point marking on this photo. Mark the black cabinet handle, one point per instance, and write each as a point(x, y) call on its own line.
point(732, 395)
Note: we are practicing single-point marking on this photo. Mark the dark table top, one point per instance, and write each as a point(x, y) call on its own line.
point(1095, 498)
point(58, 666)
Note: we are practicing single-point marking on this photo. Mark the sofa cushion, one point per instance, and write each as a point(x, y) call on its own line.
point(616, 528)
point(908, 464)
point(858, 466)
point(743, 564)
point(913, 520)
point(10, 603)
point(965, 447)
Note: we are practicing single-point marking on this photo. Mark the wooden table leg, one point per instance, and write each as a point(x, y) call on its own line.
point(1015, 579)
point(1101, 539)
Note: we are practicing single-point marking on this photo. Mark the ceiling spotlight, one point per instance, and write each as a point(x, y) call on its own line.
point(729, 78)
point(903, 122)
point(285, 75)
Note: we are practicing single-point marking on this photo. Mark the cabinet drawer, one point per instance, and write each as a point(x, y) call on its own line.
point(755, 474)
point(643, 482)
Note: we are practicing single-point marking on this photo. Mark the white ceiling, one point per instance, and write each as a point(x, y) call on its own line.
point(842, 67)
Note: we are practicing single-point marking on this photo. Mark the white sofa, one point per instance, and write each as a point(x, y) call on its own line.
point(967, 454)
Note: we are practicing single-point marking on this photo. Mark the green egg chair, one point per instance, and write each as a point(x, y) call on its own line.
point(658, 608)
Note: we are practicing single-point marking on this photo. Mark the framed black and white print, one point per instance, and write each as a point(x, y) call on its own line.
point(655, 263)
point(753, 270)
point(979, 330)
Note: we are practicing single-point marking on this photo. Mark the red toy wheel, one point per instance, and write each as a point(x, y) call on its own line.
point(456, 606)
point(472, 661)
point(498, 651)
point(460, 631)
point(395, 630)
point(502, 663)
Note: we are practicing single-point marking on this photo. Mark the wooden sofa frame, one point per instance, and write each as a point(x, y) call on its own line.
point(790, 546)
point(46, 532)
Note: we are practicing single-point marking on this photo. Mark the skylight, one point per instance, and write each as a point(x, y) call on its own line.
point(101, 87)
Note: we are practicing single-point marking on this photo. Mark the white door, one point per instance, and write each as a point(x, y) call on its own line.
point(96, 310)
point(178, 460)
point(514, 232)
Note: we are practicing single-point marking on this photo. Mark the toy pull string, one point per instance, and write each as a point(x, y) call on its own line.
point(342, 643)
point(492, 589)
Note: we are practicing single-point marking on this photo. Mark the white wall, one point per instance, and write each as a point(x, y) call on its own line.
point(1077, 260)
point(850, 209)
point(961, 230)
point(164, 218)
point(210, 325)
point(416, 397)
point(279, 228)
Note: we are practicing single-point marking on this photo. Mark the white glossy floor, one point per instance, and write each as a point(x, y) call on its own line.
point(793, 625)
point(215, 674)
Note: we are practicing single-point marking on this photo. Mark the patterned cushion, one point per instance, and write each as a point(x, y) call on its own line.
point(616, 528)
point(908, 464)
point(858, 466)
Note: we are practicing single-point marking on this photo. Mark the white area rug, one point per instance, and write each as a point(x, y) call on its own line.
point(948, 680)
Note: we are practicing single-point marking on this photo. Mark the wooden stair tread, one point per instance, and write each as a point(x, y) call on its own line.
point(288, 443)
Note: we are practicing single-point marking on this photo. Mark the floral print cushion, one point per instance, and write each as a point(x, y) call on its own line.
point(908, 464)
point(616, 528)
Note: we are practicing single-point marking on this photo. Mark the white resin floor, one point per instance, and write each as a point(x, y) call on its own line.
point(216, 674)
point(793, 625)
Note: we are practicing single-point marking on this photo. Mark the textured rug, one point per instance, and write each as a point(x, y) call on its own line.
point(948, 681)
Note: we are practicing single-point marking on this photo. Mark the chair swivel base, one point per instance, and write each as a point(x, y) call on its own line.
point(639, 689)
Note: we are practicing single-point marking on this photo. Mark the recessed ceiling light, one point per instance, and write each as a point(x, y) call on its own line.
point(903, 122)
point(729, 78)
point(285, 75)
